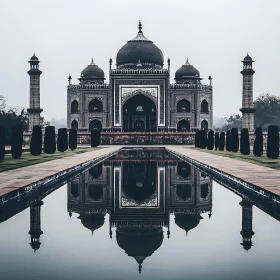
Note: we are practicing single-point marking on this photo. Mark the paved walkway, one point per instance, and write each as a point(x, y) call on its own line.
point(27, 176)
point(260, 176)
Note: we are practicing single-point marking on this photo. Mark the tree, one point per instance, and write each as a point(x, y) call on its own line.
point(272, 150)
point(16, 142)
point(258, 143)
point(222, 142)
point(49, 140)
point(2, 143)
point(234, 121)
point(267, 110)
point(73, 139)
point(210, 140)
point(234, 140)
point(244, 142)
point(228, 141)
point(62, 140)
point(217, 140)
point(36, 141)
point(95, 138)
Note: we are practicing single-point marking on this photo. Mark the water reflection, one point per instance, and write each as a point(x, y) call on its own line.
point(139, 196)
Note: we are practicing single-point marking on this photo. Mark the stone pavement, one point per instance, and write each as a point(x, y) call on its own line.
point(263, 177)
point(24, 177)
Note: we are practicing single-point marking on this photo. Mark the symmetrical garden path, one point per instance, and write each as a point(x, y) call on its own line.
point(263, 177)
point(28, 176)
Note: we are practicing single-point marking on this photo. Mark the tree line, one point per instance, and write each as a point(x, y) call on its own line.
point(232, 142)
point(37, 145)
point(267, 113)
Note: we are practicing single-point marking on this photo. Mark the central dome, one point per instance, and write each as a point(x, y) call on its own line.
point(140, 52)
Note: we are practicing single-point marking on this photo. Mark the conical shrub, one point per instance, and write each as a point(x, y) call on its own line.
point(16, 142)
point(222, 142)
point(244, 142)
point(2, 142)
point(258, 143)
point(210, 140)
point(49, 140)
point(36, 141)
point(217, 140)
point(272, 150)
point(73, 139)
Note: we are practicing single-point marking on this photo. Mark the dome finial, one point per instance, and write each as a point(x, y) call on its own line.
point(140, 27)
point(187, 62)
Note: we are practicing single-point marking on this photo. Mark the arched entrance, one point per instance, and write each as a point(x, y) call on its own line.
point(183, 125)
point(95, 125)
point(204, 125)
point(139, 114)
point(74, 124)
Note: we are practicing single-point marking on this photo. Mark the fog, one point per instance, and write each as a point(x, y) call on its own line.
point(215, 36)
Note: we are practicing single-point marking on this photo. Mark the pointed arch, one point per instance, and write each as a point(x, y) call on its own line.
point(204, 191)
point(204, 125)
point(183, 126)
point(74, 124)
point(95, 106)
point(184, 106)
point(204, 107)
point(74, 107)
point(95, 125)
point(184, 169)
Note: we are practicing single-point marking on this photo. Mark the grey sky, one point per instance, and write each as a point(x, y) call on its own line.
point(215, 35)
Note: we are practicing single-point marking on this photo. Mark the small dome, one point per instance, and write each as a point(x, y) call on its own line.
point(186, 72)
point(187, 222)
point(248, 57)
point(92, 72)
point(34, 57)
point(92, 221)
point(140, 50)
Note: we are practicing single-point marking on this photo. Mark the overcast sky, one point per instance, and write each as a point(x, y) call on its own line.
point(65, 34)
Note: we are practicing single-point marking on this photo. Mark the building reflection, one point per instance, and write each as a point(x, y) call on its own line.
point(140, 196)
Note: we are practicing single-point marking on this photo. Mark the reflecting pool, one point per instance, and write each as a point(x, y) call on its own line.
point(141, 214)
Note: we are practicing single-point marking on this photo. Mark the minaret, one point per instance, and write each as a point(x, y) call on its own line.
point(247, 219)
point(247, 94)
point(35, 225)
point(34, 109)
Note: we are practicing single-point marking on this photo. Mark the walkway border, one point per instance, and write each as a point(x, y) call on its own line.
point(226, 178)
point(58, 178)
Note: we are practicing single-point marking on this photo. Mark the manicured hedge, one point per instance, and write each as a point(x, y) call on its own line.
point(49, 140)
point(16, 142)
point(62, 140)
point(244, 142)
point(2, 143)
point(222, 141)
point(210, 140)
point(217, 140)
point(228, 141)
point(234, 140)
point(95, 138)
point(272, 150)
point(258, 143)
point(36, 141)
point(73, 139)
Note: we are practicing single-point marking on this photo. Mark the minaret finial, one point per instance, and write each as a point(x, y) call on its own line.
point(140, 26)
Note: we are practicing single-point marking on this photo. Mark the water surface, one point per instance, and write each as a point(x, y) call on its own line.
point(141, 214)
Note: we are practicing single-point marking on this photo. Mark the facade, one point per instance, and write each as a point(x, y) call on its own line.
point(247, 94)
point(139, 96)
point(34, 109)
